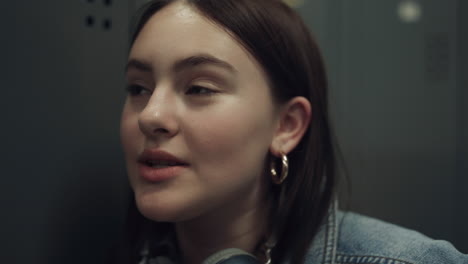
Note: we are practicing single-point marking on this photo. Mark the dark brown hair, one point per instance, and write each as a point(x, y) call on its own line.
point(280, 41)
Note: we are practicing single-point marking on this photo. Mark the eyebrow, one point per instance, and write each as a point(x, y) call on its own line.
point(139, 65)
point(202, 59)
point(189, 62)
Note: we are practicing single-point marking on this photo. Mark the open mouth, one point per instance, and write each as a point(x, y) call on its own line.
point(156, 165)
point(161, 164)
point(158, 159)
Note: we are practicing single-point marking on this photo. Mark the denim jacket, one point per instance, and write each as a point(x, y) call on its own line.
point(350, 238)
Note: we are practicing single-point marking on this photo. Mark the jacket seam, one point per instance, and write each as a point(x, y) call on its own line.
point(325, 248)
point(368, 259)
point(330, 236)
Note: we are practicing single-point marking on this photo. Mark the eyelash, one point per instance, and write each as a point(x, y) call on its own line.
point(197, 90)
point(135, 90)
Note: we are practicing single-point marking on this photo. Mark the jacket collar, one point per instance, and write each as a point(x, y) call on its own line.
point(323, 248)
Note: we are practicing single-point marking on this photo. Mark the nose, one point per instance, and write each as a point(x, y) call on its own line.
point(158, 118)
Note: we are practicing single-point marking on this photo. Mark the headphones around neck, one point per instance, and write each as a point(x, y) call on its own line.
point(231, 256)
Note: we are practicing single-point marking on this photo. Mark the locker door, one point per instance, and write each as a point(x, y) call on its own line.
point(63, 180)
point(399, 104)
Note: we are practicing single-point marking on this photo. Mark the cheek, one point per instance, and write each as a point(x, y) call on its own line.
point(126, 130)
point(232, 140)
point(130, 136)
point(128, 124)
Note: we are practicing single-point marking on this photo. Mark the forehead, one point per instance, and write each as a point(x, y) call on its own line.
point(179, 30)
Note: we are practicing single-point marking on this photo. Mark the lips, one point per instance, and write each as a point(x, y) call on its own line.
point(156, 165)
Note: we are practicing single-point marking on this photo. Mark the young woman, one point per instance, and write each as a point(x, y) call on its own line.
point(228, 145)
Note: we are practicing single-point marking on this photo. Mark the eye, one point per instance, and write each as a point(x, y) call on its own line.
point(200, 90)
point(136, 90)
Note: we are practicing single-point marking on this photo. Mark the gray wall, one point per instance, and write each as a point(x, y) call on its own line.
point(462, 103)
point(63, 178)
point(402, 125)
point(399, 104)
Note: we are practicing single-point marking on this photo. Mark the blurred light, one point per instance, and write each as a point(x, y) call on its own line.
point(409, 11)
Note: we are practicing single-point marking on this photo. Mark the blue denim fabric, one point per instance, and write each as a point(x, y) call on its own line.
point(349, 238)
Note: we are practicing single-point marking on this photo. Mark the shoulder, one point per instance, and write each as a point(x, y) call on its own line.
point(361, 239)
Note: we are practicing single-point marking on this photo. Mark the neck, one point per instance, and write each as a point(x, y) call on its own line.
point(201, 237)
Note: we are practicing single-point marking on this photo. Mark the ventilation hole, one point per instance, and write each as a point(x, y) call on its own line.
point(89, 21)
point(107, 24)
point(107, 2)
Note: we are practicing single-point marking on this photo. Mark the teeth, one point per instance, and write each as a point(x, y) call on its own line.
point(166, 163)
point(160, 164)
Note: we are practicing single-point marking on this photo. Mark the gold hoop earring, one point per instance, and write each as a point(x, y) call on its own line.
point(284, 170)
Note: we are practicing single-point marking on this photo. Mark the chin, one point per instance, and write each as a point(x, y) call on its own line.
point(162, 210)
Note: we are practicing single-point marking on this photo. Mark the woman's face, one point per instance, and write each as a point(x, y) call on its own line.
point(196, 94)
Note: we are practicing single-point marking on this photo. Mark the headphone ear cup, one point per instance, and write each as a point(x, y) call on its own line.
point(231, 256)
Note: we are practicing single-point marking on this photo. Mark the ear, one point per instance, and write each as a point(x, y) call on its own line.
point(294, 119)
